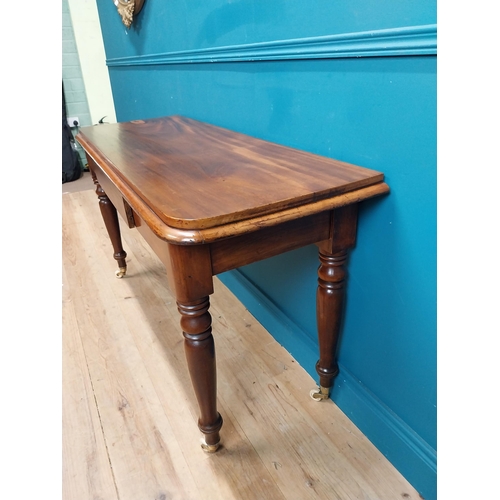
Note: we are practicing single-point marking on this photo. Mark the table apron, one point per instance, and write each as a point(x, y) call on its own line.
point(238, 251)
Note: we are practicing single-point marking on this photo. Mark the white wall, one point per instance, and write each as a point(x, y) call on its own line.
point(88, 37)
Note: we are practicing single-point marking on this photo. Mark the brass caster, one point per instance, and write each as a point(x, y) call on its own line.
point(320, 394)
point(209, 448)
point(120, 273)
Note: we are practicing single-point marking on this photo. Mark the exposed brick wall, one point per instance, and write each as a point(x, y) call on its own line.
point(74, 88)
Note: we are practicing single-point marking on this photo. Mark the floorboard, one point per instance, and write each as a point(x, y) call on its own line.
point(129, 414)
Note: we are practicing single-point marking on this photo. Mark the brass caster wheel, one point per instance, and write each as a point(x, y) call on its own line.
point(320, 394)
point(120, 273)
point(209, 448)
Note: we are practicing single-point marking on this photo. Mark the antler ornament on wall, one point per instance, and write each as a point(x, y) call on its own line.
point(128, 9)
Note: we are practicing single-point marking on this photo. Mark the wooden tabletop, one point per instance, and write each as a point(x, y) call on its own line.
point(193, 175)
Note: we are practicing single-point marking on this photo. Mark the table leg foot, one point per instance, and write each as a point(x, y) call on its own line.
point(321, 393)
point(121, 272)
point(209, 448)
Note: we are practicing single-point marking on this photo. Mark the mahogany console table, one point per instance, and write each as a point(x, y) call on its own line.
point(208, 200)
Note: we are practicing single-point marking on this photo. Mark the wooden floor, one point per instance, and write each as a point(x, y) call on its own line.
point(129, 415)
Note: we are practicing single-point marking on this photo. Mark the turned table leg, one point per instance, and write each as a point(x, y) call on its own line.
point(110, 217)
point(330, 295)
point(196, 324)
point(329, 307)
point(189, 270)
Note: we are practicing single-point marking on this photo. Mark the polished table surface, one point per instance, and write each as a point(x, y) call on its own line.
point(208, 200)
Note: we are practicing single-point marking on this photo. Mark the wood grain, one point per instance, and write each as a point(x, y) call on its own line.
point(130, 412)
point(229, 176)
point(87, 472)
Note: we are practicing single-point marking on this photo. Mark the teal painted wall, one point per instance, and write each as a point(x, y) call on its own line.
point(294, 74)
